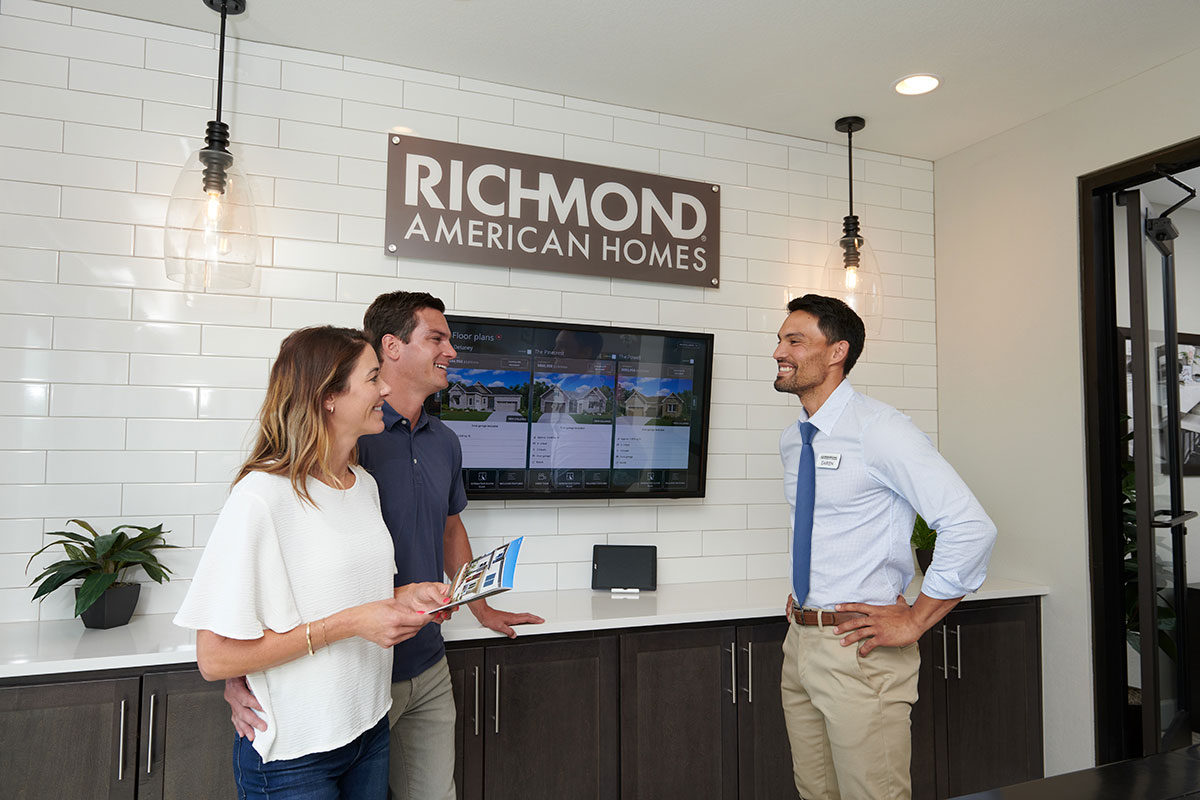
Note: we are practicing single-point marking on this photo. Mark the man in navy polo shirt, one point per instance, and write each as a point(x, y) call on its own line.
point(417, 462)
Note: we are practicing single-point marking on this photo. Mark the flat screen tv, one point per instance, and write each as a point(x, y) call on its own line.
point(556, 410)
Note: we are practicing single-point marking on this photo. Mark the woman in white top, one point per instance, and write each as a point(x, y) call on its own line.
point(294, 589)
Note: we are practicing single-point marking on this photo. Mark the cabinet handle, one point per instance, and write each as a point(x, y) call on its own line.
point(958, 651)
point(945, 667)
point(121, 746)
point(733, 682)
point(150, 737)
point(750, 673)
point(475, 711)
point(497, 698)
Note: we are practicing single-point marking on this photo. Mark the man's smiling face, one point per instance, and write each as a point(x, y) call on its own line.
point(425, 357)
point(803, 356)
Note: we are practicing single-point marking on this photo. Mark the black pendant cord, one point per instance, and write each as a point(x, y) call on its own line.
point(849, 159)
point(215, 155)
point(221, 63)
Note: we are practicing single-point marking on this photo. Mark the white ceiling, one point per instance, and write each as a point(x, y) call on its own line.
point(787, 66)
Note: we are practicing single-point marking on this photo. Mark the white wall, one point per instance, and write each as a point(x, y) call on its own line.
point(123, 398)
point(1009, 348)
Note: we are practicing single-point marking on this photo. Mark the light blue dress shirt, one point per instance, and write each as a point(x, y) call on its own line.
point(875, 471)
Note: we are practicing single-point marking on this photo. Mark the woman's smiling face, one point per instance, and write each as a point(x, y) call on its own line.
point(358, 410)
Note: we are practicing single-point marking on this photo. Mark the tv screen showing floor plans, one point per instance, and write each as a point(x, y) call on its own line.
point(558, 410)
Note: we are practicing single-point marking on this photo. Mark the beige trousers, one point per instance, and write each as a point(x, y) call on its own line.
point(848, 716)
point(421, 765)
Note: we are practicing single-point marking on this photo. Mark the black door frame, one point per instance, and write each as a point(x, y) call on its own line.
point(1103, 374)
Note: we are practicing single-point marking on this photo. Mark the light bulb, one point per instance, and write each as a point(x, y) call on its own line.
point(857, 283)
point(851, 279)
point(917, 84)
point(210, 239)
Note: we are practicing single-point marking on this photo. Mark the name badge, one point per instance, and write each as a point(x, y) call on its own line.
point(829, 460)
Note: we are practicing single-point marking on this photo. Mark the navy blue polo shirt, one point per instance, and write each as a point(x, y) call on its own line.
point(419, 472)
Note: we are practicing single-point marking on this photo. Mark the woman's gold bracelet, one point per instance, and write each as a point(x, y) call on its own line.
point(308, 637)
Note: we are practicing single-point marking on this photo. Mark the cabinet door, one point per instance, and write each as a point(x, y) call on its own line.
point(550, 720)
point(922, 768)
point(678, 718)
point(467, 676)
point(75, 740)
point(992, 698)
point(764, 755)
point(186, 738)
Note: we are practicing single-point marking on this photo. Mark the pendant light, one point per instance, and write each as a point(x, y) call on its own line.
point(211, 239)
point(851, 272)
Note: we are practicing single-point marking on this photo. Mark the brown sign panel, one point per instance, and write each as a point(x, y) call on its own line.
point(455, 202)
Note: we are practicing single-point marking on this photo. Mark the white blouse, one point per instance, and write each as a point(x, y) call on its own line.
point(275, 562)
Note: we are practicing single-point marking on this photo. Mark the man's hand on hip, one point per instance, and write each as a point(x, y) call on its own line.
point(242, 701)
point(887, 626)
point(502, 621)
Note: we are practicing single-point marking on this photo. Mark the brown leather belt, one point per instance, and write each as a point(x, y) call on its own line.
point(807, 616)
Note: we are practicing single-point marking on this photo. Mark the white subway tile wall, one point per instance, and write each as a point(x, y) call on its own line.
point(125, 399)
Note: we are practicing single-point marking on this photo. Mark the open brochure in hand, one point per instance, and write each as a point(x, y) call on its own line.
point(486, 575)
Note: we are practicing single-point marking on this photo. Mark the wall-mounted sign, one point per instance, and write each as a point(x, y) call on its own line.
point(455, 202)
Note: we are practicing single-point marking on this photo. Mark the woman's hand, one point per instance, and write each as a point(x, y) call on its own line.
point(420, 598)
point(387, 622)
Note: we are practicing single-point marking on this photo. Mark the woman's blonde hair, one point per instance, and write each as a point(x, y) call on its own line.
point(293, 437)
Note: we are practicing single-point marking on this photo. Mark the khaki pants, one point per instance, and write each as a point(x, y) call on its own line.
point(848, 716)
point(421, 765)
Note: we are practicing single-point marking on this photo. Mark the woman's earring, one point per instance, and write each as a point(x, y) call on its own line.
point(329, 408)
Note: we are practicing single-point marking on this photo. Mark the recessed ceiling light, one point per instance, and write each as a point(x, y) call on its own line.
point(917, 84)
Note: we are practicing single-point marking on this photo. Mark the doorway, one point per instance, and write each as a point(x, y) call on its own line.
point(1140, 267)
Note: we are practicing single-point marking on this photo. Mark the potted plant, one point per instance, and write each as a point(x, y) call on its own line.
point(923, 538)
point(107, 597)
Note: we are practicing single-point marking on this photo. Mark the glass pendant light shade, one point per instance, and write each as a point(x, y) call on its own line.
point(211, 239)
point(851, 274)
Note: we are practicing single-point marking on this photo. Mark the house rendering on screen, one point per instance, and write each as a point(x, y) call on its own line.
point(663, 405)
point(477, 397)
point(581, 401)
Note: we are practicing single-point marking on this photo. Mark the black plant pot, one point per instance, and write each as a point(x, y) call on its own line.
point(924, 559)
point(113, 608)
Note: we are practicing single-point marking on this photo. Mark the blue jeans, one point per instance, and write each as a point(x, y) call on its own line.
point(355, 770)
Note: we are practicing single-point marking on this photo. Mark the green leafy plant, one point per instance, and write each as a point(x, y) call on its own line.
point(102, 560)
point(923, 536)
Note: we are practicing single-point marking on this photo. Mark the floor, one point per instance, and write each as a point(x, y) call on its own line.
point(1163, 777)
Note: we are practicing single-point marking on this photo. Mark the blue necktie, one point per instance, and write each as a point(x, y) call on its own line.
point(806, 491)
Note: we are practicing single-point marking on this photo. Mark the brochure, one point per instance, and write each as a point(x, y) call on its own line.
point(485, 575)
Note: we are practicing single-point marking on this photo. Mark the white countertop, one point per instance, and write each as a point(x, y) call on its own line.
point(58, 646)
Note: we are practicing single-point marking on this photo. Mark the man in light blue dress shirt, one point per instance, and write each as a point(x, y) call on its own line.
point(850, 657)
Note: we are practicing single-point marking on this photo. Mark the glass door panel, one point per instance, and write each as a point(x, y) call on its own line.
point(1157, 551)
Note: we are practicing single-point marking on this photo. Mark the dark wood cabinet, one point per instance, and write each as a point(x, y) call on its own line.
point(923, 764)
point(160, 736)
point(467, 677)
point(678, 714)
point(550, 719)
point(987, 696)
point(687, 711)
point(76, 740)
point(186, 739)
point(976, 724)
point(764, 755)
